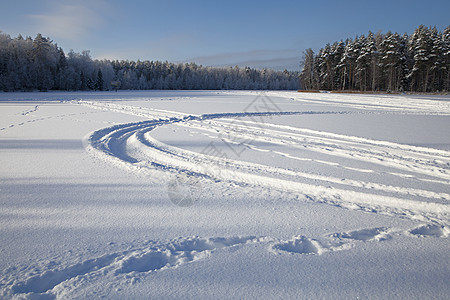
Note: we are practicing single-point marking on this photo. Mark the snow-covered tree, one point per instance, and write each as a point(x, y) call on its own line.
point(387, 62)
point(420, 48)
point(446, 59)
point(391, 57)
point(308, 76)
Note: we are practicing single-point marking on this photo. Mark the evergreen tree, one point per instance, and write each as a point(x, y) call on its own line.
point(30, 64)
point(326, 68)
point(391, 62)
point(363, 63)
point(437, 62)
point(387, 62)
point(99, 82)
point(308, 76)
point(421, 46)
point(44, 63)
point(446, 59)
point(347, 64)
point(60, 70)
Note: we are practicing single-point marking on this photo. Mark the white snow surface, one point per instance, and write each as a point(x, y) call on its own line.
point(224, 195)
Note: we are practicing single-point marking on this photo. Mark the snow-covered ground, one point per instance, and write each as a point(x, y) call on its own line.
point(206, 194)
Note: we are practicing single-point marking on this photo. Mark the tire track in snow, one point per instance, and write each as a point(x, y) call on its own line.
point(421, 160)
point(385, 103)
point(132, 145)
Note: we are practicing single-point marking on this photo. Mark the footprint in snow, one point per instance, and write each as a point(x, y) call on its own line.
point(304, 245)
point(433, 230)
point(175, 253)
point(299, 245)
point(153, 258)
point(334, 242)
point(47, 284)
point(365, 235)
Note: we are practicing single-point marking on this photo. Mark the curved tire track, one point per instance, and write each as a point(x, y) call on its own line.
point(132, 145)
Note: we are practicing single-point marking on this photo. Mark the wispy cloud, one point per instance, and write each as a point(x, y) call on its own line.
point(68, 22)
point(165, 48)
point(273, 59)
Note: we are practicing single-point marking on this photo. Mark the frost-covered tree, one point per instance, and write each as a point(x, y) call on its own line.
point(347, 64)
point(363, 63)
point(386, 62)
point(99, 82)
point(45, 57)
point(308, 76)
point(420, 48)
point(325, 66)
point(391, 57)
point(446, 59)
point(39, 64)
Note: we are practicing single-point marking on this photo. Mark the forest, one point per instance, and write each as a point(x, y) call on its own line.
point(381, 62)
point(28, 64)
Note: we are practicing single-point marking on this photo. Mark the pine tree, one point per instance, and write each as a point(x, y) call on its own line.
point(99, 82)
point(362, 65)
point(44, 63)
point(83, 82)
point(437, 61)
point(347, 64)
point(60, 69)
point(325, 64)
point(420, 48)
point(446, 59)
point(391, 61)
point(337, 52)
point(308, 76)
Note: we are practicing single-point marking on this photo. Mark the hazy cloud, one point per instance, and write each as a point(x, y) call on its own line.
point(69, 22)
point(166, 48)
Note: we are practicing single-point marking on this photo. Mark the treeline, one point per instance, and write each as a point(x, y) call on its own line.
point(28, 64)
point(382, 62)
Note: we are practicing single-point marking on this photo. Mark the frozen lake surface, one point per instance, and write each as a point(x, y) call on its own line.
point(224, 194)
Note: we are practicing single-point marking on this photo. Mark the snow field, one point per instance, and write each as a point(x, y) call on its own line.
point(220, 194)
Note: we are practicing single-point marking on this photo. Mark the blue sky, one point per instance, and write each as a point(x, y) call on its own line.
point(255, 33)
